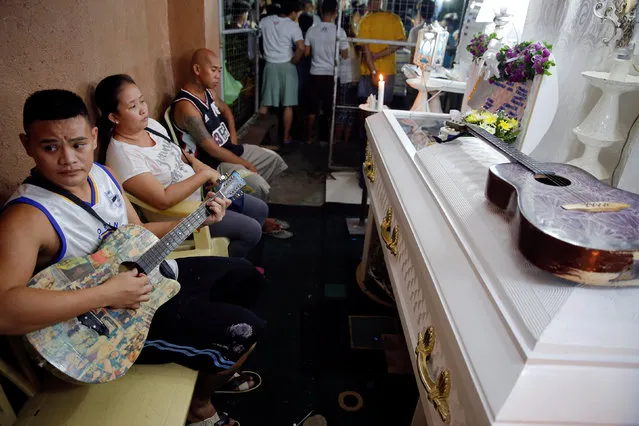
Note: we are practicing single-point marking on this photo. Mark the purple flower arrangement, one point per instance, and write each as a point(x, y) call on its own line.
point(479, 44)
point(523, 61)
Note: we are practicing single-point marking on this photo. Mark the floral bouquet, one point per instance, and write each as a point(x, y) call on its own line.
point(523, 62)
point(479, 45)
point(499, 124)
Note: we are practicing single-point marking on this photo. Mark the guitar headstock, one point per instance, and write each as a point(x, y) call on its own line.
point(231, 186)
point(457, 125)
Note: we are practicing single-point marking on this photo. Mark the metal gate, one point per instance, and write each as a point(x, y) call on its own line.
point(239, 54)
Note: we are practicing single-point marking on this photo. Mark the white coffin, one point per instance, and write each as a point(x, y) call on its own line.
point(522, 347)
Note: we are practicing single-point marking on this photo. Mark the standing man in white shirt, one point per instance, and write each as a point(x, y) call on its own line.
point(280, 33)
point(320, 45)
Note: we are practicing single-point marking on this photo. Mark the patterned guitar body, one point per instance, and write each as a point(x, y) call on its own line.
point(587, 247)
point(75, 351)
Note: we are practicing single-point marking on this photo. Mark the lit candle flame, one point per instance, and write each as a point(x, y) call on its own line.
point(381, 77)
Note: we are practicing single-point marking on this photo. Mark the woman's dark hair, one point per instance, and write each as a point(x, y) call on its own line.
point(107, 94)
point(52, 104)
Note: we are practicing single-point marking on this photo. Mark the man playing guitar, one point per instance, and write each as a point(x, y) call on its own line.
point(39, 227)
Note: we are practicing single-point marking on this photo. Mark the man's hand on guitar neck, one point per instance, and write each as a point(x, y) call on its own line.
point(126, 290)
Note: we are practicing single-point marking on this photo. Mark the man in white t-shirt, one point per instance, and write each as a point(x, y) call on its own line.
point(279, 88)
point(320, 45)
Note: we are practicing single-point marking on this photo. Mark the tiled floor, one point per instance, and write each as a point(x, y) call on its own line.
point(299, 185)
point(343, 187)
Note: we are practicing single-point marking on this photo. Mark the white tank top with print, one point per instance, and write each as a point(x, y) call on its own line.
point(80, 233)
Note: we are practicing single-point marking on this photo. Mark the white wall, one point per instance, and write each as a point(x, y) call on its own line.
point(576, 37)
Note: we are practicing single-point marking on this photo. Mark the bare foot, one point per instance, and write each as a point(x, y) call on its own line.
point(271, 225)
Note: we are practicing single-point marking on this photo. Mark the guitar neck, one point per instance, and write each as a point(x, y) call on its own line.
point(160, 250)
point(506, 149)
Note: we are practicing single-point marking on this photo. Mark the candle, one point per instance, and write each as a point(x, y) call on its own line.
point(380, 93)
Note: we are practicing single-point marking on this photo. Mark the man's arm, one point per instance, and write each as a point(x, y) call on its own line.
point(189, 118)
point(226, 112)
point(343, 44)
point(368, 59)
point(364, 31)
point(300, 50)
point(389, 50)
point(27, 240)
point(400, 35)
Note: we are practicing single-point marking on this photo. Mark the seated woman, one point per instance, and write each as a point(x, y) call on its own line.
point(154, 169)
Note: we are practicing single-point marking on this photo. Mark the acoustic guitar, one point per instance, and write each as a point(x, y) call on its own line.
point(101, 345)
point(569, 223)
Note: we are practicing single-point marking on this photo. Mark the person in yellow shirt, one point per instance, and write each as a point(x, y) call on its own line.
point(379, 58)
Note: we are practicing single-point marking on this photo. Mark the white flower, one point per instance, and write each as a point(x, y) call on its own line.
point(486, 127)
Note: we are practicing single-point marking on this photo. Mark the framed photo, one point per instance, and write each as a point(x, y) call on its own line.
point(431, 47)
point(517, 100)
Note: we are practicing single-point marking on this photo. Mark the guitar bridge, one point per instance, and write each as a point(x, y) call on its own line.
point(90, 320)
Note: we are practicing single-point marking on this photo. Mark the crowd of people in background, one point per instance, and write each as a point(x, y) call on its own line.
point(297, 47)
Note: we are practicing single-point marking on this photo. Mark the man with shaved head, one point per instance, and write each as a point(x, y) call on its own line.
point(206, 128)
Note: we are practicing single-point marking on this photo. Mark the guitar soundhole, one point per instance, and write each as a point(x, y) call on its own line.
point(552, 180)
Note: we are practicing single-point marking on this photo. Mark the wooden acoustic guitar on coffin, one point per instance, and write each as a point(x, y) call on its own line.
point(569, 223)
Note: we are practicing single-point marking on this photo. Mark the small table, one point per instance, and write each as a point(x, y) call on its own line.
point(433, 84)
point(367, 108)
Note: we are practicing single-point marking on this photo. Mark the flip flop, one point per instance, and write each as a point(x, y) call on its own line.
point(281, 234)
point(283, 224)
point(239, 383)
point(218, 419)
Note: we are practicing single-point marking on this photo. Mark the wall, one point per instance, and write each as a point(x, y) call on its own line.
point(72, 44)
point(576, 37)
point(186, 33)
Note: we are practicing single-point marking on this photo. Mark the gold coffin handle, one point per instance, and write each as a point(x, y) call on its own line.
point(369, 166)
point(390, 237)
point(439, 390)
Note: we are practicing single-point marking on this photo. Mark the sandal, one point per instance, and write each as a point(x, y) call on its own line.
point(281, 234)
point(283, 224)
point(239, 383)
point(218, 419)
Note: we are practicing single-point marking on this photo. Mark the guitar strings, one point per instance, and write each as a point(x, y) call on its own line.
point(530, 165)
point(162, 248)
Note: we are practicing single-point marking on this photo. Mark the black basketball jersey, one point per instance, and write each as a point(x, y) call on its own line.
point(214, 124)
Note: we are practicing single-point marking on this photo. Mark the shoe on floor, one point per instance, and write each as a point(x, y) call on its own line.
point(281, 234)
point(239, 383)
point(218, 419)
